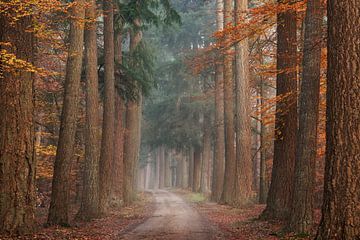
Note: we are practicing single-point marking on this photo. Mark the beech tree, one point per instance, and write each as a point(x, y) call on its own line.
point(340, 211)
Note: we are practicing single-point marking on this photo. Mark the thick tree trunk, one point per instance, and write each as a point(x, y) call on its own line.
point(132, 136)
point(219, 158)
point(206, 154)
point(281, 188)
point(197, 170)
point(118, 161)
point(340, 211)
point(305, 165)
point(60, 196)
point(17, 160)
point(230, 160)
point(107, 140)
point(244, 171)
point(90, 198)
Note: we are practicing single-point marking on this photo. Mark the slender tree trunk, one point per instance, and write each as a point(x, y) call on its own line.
point(191, 167)
point(107, 141)
point(168, 156)
point(206, 159)
point(264, 147)
point(219, 158)
point(90, 198)
point(118, 161)
point(162, 166)
point(281, 188)
point(230, 161)
point(340, 211)
point(244, 171)
point(17, 160)
point(132, 136)
point(60, 196)
point(197, 170)
point(302, 218)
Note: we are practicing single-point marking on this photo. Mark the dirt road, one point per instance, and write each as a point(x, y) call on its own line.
point(172, 219)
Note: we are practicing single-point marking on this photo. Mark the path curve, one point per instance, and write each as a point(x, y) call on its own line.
point(172, 219)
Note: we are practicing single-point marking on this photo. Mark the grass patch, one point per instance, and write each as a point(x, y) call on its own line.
point(196, 198)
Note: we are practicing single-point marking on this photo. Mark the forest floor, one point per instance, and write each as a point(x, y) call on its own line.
point(108, 228)
point(238, 223)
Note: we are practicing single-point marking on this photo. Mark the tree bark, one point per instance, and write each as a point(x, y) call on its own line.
point(340, 211)
point(90, 198)
point(302, 218)
point(162, 167)
point(230, 160)
point(118, 161)
point(197, 170)
point(206, 154)
point(264, 147)
point(281, 188)
point(219, 158)
point(107, 140)
point(191, 167)
point(132, 136)
point(60, 196)
point(244, 171)
point(17, 160)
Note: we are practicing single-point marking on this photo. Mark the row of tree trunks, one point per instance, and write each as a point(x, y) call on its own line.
point(17, 160)
point(90, 196)
point(60, 196)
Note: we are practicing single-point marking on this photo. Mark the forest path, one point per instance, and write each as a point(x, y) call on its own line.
point(172, 219)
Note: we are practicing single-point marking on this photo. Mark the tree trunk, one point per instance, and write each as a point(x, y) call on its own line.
point(340, 211)
point(281, 188)
point(230, 161)
point(162, 167)
point(60, 196)
point(90, 198)
point(197, 170)
point(305, 165)
point(118, 161)
point(168, 156)
point(17, 160)
point(206, 159)
point(219, 158)
point(107, 140)
point(244, 171)
point(264, 147)
point(132, 136)
point(191, 167)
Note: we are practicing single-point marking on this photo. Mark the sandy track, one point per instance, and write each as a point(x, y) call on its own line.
point(172, 219)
